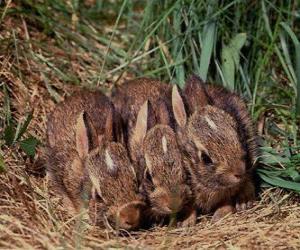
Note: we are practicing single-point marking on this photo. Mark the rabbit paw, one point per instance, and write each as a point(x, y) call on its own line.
point(222, 211)
point(189, 221)
point(241, 206)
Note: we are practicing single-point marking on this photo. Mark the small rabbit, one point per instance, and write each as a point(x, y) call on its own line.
point(84, 155)
point(66, 150)
point(211, 140)
point(235, 106)
point(164, 176)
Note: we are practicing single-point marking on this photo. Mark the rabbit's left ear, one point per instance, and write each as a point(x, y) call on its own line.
point(178, 108)
point(86, 135)
point(141, 125)
point(108, 134)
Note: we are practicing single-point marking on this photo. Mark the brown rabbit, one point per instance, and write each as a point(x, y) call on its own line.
point(235, 106)
point(164, 177)
point(218, 170)
point(66, 150)
point(85, 123)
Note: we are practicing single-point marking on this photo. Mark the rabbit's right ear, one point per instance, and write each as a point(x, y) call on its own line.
point(162, 113)
point(86, 135)
point(141, 125)
point(178, 107)
point(195, 94)
point(108, 133)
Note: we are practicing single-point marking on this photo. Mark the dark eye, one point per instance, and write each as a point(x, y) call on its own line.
point(206, 159)
point(244, 157)
point(148, 178)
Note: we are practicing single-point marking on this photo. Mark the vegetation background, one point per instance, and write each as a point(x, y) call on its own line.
point(48, 48)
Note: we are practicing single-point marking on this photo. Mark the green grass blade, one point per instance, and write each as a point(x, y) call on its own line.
point(209, 36)
point(228, 67)
point(297, 63)
point(279, 182)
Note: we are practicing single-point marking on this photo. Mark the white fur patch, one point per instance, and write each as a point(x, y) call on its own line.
point(109, 161)
point(200, 146)
point(164, 143)
point(210, 123)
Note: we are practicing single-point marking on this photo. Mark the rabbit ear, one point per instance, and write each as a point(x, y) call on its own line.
point(178, 107)
point(86, 135)
point(118, 127)
point(195, 94)
point(140, 129)
point(108, 133)
point(163, 113)
point(109, 126)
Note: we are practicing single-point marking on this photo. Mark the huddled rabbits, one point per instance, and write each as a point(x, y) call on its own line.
point(150, 151)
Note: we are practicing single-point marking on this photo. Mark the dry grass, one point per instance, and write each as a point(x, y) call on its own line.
point(31, 217)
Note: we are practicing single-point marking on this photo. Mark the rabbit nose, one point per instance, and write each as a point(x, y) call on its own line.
point(129, 217)
point(238, 176)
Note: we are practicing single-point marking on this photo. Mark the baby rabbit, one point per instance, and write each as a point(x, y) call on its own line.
point(85, 152)
point(164, 176)
point(66, 150)
point(236, 107)
point(210, 139)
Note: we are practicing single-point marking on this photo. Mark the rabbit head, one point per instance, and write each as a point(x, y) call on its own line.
point(210, 140)
point(115, 182)
point(164, 175)
point(197, 94)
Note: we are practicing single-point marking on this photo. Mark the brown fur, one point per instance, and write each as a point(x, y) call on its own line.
point(167, 190)
point(130, 96)
point(115, 181)
point(67, 146)
point(80, 130)
point(61, 126)
point(233, 144)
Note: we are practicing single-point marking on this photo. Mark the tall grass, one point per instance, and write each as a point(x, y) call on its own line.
point(251, 47)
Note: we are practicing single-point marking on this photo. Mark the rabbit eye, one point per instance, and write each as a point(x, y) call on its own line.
point(206, 159)
point(244, 157)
